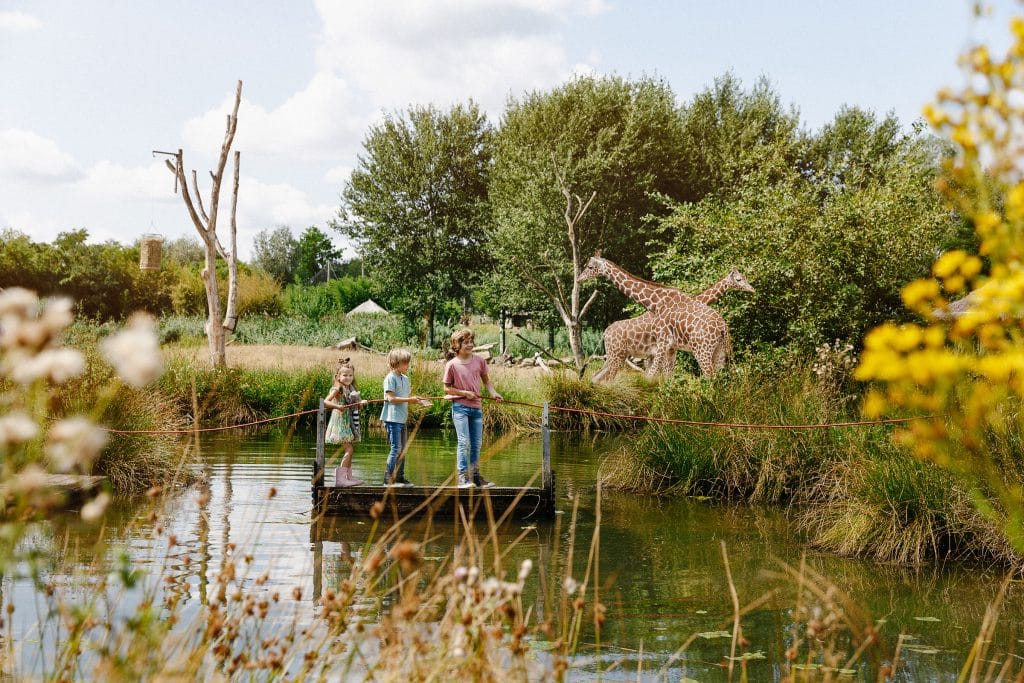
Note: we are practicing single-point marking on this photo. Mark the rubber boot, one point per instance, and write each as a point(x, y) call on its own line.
point(352, 481)
point(343, 477)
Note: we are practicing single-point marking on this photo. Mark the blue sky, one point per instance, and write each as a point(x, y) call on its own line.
point(91, 87)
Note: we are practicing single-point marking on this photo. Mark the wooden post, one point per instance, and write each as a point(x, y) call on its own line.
point(502, 319)
point(318, 463)
point(547, 479)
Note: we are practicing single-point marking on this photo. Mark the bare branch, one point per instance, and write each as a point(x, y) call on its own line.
point(586, 306)
point(179, 172)
point(199, 196)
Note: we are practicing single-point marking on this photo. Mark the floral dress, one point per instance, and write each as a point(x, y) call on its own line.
point(343, 427)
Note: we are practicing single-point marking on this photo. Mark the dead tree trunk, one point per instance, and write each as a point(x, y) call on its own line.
point(206, 225)
point(571, 311)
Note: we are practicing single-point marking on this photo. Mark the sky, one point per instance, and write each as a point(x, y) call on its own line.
point(90, 88)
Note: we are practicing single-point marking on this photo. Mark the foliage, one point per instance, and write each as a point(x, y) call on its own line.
point(827, 243)
point(275, 251)
point(332, 298)
point(962, 374)
point(183, 251)
point(617, 138)
point(416, 205)
point(314, 251)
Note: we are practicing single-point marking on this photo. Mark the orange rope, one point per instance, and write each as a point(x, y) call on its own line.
point(581, 411)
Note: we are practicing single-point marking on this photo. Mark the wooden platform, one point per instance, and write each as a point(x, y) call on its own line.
point(498, 502)
point(443, 501)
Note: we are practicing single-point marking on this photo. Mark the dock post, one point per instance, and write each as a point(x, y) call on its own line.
point(547, 479)
point(318, 463)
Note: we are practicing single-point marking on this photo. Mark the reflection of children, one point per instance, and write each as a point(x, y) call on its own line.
point(395, 413)
point(343, 427)
point(463, 374)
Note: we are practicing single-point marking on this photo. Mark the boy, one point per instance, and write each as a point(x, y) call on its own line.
point(395, 413)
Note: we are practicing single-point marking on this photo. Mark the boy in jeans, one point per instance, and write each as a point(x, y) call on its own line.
point(395, 413)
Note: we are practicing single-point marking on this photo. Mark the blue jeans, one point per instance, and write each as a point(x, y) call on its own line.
point(398, 436)
point(469, 428)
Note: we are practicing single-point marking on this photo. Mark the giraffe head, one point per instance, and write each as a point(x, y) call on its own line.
point(737, 281)
point(596, 267)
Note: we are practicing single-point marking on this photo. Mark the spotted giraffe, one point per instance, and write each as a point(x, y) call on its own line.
point(674, 321)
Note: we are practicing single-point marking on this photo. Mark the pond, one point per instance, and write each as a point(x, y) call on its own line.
point(661, 569)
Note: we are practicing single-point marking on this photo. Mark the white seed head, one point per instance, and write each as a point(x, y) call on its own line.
point(17, 427)
point(57, 315)
point(31, 478)
point(74, 442)
point(525, 568)
point(18, 301)
point(570, 585)
point(135, 351)
point(95, 508)
point(491, 585)
point(55, 365)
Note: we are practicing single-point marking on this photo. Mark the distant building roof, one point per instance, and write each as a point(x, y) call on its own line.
point(368, 306)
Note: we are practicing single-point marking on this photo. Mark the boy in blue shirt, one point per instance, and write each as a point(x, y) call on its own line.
point(395, 414)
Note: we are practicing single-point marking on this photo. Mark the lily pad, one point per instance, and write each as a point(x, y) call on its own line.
point(714, 634)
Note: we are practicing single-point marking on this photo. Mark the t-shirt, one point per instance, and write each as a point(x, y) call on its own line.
point(466, 377)
point(400, 386)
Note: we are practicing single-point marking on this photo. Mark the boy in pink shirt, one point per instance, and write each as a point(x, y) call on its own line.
point(463, 375)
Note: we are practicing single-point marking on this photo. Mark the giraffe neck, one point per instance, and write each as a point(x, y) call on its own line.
point(714, 292)
point(647, 294)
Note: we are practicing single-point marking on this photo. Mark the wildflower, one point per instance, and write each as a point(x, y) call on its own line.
point(74, 442)
point(18, 301)
point(570, 585)
point(135, 352)
point(948, 263)
point(17, 427)
point(55, 365)
point(95, 508)
point(874, 405)
point(525, 568)
point(920, 292)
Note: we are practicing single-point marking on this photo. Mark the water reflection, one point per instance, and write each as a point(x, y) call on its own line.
point(660, 569)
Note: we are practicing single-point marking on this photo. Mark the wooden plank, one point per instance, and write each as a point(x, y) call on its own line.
point(318, 462)
point(547, 476)
point(444, 501)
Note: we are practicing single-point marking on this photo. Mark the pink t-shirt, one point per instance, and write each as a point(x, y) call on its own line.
point(466, 377)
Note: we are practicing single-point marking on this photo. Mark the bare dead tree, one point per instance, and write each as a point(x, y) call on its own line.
point(206, 225)
point(569, 308)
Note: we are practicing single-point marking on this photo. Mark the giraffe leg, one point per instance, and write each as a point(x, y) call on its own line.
point(705, 361)
point(614, 357)
point(720, 355)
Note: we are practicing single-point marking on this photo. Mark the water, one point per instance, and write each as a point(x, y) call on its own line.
point(661, 570)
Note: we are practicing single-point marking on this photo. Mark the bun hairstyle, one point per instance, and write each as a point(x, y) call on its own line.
point(344, 364)
point(458, 337)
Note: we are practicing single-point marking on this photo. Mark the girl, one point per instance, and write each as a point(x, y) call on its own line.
point(463, 375)
point(343, 427)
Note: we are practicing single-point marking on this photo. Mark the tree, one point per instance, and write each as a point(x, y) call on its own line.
point(607, 137)
point(275, 252)
point(314, 251)
point(206, 225)
point(416, 205)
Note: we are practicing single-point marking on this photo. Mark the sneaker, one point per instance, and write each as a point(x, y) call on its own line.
point(465, 482)
point(402, 481)
point(480, 482)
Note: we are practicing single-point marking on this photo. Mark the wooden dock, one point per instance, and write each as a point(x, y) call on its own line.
point(498, 502)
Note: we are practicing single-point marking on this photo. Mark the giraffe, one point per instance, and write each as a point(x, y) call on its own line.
point(640, 336)
point(674, 321)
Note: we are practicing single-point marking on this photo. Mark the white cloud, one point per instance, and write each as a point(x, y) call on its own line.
point(28, 156)
point(18, 21)
point(108, 181)
point(264, 205)
point(338, 176)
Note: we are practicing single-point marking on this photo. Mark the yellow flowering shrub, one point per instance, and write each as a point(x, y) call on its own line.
point(962, 374)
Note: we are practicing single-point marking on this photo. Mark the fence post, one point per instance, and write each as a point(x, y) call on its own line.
point(547, 479)
point(318, 463)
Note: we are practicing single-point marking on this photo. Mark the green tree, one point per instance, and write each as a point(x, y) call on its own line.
point(276, 252)
point(314, 251)
point(615, 140)
point(416, 206)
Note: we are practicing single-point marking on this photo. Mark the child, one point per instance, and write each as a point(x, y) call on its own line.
point(463, 374)
point(395, 413)
point(343, 427)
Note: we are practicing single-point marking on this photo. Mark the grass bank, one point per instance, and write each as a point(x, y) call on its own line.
point(852, 490)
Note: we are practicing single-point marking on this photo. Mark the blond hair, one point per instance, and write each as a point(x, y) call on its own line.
point(458, 337)
point(398, 356)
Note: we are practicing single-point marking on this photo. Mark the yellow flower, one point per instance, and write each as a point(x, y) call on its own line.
point(1015, 202)
point(874, 405)
point(949, 262)
point(970, 267)
point(934, 337)
point(920, 291)
point(963, 137)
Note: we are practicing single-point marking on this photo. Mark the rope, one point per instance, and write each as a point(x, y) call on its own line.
point(580, 411)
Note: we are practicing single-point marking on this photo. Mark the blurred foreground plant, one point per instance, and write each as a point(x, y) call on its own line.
point(962, 369)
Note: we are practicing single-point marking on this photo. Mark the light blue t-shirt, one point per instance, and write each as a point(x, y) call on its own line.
point(400, 386)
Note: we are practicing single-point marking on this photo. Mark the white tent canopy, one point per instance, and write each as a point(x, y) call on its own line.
point(369, 306)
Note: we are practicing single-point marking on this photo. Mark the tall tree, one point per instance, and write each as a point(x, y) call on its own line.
point(206, 226)
point(614, 139)
point(314, 252)
point(275, 252)
point(417, 206)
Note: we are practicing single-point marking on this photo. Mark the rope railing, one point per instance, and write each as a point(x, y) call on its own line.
point(563, 409)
